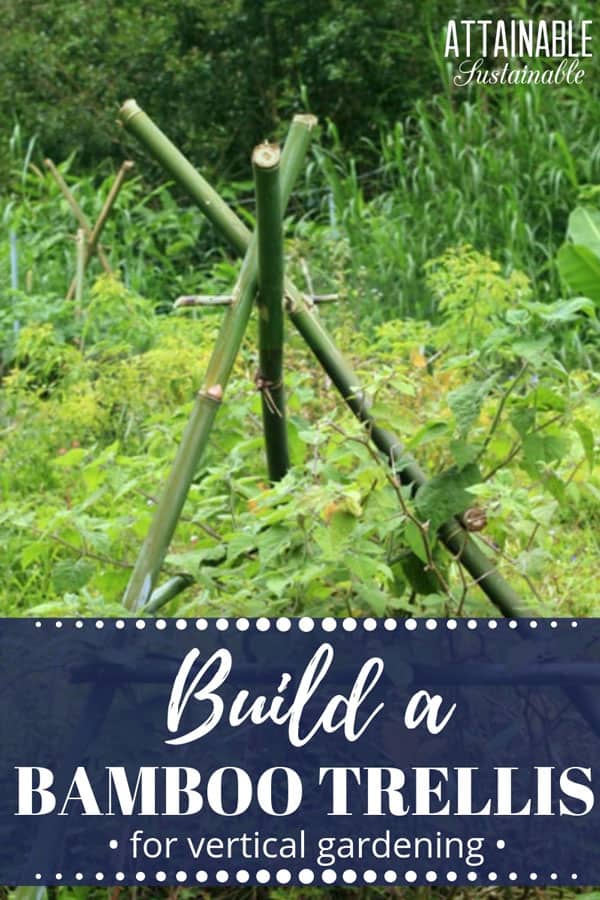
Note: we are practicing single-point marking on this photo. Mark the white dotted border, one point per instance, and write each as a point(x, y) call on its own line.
point(306, 876)
point(306, 624)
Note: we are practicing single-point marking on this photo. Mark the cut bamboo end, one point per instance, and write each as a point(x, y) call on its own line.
point(128, 110)
point(306, 119)
point(266, 156)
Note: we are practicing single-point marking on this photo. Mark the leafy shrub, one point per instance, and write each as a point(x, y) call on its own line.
point(502, 424)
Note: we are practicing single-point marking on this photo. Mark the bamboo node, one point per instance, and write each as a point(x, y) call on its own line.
point(214, 393)
point(266, 388)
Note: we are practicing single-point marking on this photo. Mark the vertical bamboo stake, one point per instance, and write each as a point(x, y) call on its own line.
point(80, 245)
point(265, 162)
point(221, 363)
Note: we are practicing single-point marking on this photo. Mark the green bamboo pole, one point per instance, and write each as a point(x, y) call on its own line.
point(452, 533)
point(167, 591)
point(269, 229)
point(158, 145)
point(30, 893)
point(103, 217)
point(221, 363)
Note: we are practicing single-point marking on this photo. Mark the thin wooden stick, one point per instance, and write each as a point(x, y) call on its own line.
point(102, 218)
point(77, 212)
point(202, 300)
point(199, 300)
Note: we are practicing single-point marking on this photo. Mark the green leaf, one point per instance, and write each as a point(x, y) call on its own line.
point(579, 269)
point(375, 598)
point(463, 453)
point(71, 458)
point(69, 576)
point(586, 436)
point(32, 552)
point(584, 228)
point(465, 402)
point(240, 543)
point(522, 419)
point(414, 538)
point(556, 487)
point(445, 495)
point(427, 433)
point(566, 310)
point(421, 580)
point(273, 543)
point(546, 398)
point(341, 526)
point(541, 449)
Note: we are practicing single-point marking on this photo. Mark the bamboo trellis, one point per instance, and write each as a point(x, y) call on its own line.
point(270, 211)
point(261, 278)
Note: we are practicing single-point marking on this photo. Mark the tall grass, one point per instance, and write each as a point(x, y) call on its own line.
point(500, 171)
point(497, 168)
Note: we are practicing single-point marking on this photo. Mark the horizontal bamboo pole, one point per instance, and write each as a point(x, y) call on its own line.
point(269, 380)
point(191, 300)
point(195, 438)
point(202, 300)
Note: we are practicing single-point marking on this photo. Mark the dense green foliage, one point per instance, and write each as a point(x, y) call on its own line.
point(91, 417)
point(223, 75)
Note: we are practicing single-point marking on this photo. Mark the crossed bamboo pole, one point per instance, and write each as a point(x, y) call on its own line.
point(233, 327)
point(482, 569)
point(91, 235)
point(79, 214)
